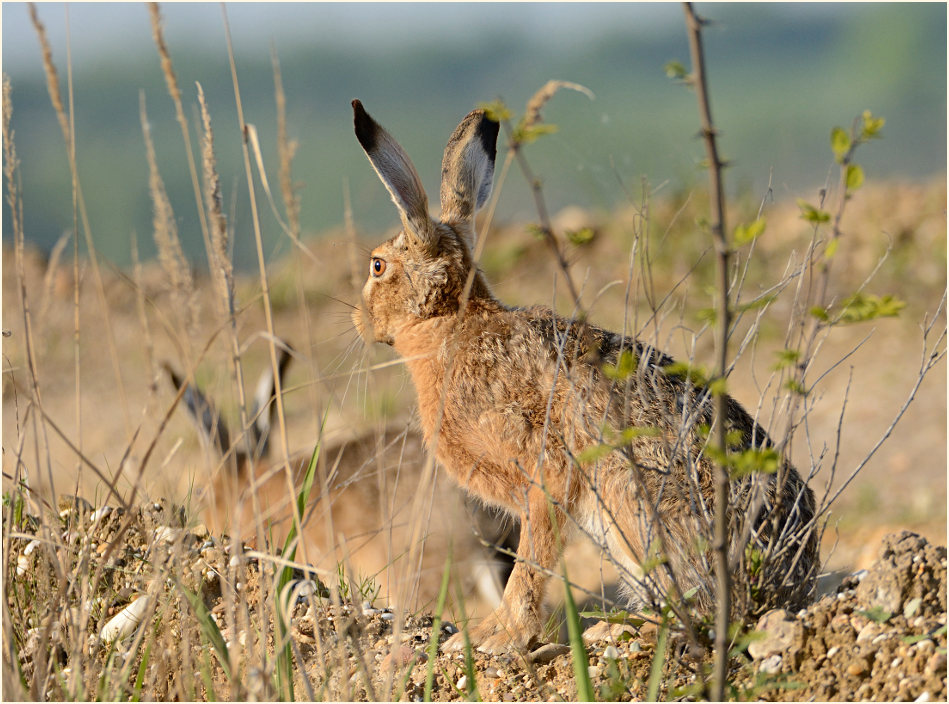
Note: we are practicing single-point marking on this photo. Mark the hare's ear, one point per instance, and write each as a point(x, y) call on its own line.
point(468, 168)
point(395, 170)
point(264, 398)
point(210, 427)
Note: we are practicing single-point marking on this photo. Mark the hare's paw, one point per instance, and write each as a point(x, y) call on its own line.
point(492, 636)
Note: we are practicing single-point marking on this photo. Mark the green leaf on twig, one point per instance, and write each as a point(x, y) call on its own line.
point(871, 126)
point(839, 142)
point(580, 237)
point(795, 387)
point(854, 177)
point(624, 367)
point(526, 135)
point(831, 249)
point(812, 214)
point(749, 233)
point(496, 111)
point(786, 358)
point(861, 307)
point(676, 70)
point(694, 373)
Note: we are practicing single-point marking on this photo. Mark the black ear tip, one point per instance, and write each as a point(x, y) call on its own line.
point(365, 126)
point(488, 134)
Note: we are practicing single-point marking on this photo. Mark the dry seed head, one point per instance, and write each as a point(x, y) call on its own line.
point(166, 66)
point(170, 254)
point(52, 78)
point(221, 265)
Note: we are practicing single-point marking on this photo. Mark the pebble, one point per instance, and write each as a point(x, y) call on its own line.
point(771, 665)
point(610, 652)
point(869, 632)
point(125, 621)
point(548, 652)
point(936, 664)
point(100, 513)
point(924, 697)
point(387, 616)
point(491, 673)
point(462, 682)
point(924, 646)
point(857, 668)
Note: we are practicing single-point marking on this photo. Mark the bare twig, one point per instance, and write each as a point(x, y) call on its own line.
point(723, 320)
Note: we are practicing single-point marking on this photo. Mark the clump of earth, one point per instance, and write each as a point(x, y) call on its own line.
point(206, 629)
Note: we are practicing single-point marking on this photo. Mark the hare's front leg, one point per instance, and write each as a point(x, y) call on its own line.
point(517, 623)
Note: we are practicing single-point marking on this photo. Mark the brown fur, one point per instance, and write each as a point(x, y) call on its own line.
point(509, 399)
point(365, 518)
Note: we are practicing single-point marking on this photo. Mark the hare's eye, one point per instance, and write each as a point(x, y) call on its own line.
point(377, 266)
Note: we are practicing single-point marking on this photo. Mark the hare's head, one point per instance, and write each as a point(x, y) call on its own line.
point(421, 272)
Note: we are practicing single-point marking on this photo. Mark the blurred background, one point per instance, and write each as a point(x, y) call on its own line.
point(782, 75)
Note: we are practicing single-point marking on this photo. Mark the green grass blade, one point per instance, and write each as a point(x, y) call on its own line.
point(284, 671)
point(209, 630)
point(658, 659)
point(436, 629)
point(140, 676)
point(581, 665)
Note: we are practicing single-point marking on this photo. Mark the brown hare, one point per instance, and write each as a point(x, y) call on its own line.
point(365, 519)
point(518, 406)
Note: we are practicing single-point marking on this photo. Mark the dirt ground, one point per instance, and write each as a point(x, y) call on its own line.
point(881, 636)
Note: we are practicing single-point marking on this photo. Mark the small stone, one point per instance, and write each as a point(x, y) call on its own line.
point(782, 635)
point(491, 673)
point(635, 647)
point(548, 652)
point(925, 646)
point(936, 664)
point(387, 616)
point(400, 657)
point(771, 665)
point(924, 697)
point(869, 632)
point(857, 668)
point(610, 652)
point(462, 682)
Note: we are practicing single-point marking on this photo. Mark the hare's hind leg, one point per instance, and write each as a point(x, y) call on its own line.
point(518, 622)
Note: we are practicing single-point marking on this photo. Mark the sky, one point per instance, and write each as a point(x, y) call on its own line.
point(106, 30)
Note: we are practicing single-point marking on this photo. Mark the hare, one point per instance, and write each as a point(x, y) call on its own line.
point(518, 407)
point(371, 482)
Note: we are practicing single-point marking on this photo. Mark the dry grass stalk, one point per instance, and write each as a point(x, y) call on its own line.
point(52, 77)
point(265, 289)
point(286, 149)
point(172, 81)
point(142, 317)
point(52, 82)
point(165, 232)
point(221, 269)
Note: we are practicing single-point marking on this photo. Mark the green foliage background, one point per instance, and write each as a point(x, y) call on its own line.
point(778, 83)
